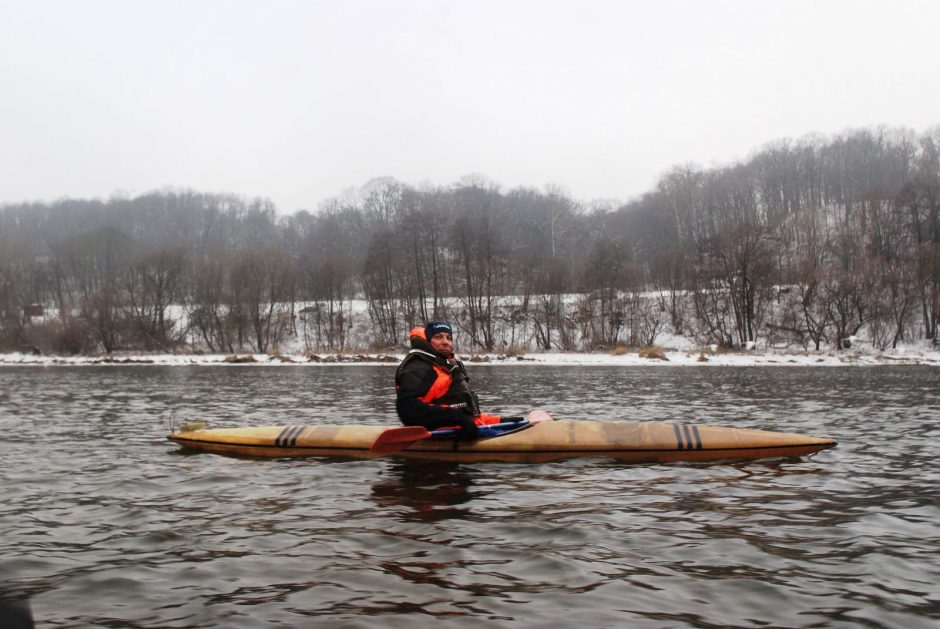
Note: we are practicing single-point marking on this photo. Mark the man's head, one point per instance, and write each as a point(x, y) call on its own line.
point(441, 337)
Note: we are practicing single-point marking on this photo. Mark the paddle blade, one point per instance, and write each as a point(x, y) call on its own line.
point(537, 417)
point(397, 439)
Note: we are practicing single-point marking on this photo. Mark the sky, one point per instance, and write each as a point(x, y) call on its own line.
point(299, 101)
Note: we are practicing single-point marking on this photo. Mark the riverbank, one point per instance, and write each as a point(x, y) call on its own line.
point(675, 357)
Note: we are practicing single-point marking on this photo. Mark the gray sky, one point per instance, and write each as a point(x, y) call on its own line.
point(298, 101)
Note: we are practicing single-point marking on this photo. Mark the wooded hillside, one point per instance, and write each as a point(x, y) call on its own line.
point(808, 242)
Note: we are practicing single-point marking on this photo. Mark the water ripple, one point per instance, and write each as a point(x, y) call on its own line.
point(103, 523)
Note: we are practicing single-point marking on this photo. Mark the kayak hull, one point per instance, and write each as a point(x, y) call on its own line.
point(645, 442)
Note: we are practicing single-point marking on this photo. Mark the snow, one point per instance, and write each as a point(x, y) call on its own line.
point(683, 356)
point(677, 350)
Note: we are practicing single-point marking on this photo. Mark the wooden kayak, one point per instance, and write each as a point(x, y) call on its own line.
point(645, 442)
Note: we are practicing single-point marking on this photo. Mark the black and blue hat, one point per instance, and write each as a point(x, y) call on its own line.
point(436, 327)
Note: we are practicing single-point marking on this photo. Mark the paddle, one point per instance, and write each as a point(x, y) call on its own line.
point(397, 439)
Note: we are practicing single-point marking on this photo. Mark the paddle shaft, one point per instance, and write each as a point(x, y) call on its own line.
point(397, 439)
point(443, 432)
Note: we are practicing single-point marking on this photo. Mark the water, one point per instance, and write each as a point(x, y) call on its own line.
point(104, 523)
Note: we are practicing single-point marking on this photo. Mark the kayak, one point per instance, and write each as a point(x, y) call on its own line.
point(637, 442)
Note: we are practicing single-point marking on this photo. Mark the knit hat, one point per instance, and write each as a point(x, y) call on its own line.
point(436, 327)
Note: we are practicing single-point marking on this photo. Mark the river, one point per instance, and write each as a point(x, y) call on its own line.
point(105, 523)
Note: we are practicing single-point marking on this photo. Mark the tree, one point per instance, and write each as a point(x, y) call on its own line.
point(378, 282)
point(602, 312)
point(87, 270)
point(209, 310)
point(153, 284)
point(482, 257)
point(262, 285)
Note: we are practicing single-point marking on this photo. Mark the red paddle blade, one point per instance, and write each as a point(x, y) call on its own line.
point(397, 439)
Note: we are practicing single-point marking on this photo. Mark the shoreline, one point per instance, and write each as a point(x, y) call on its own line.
point(667, 357)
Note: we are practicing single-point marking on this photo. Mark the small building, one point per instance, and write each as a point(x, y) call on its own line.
point(32, 311)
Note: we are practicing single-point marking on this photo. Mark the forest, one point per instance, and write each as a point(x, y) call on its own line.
point(810, 243)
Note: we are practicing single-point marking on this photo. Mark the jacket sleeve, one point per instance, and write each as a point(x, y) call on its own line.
point(415, 380)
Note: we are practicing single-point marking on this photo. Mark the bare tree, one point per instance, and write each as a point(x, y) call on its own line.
point(153, 284)
point(602, 311)
point(262, 287)
point(481, 252)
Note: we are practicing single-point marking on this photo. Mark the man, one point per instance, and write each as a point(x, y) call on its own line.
point(433, 387)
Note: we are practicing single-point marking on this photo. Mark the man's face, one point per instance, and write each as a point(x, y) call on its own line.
point(443, 343)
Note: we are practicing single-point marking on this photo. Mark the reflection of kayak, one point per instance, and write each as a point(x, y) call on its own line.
point(547, 441)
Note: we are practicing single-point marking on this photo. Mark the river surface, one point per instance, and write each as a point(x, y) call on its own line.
point(105, 523)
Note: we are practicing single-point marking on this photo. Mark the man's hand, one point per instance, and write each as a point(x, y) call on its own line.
point(469, 431)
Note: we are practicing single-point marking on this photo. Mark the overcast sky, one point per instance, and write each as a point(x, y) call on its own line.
point(298, 101)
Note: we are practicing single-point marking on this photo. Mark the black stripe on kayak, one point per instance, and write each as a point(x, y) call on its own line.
point(288, 436)
point(291, 439)
point(688, 437)
point(698, 438)
point(678, 437)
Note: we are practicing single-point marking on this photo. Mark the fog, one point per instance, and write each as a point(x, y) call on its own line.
point(298, 101)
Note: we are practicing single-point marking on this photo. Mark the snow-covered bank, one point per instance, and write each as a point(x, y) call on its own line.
point(903, 356)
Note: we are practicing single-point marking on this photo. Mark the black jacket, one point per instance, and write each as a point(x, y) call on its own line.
point(418, 373)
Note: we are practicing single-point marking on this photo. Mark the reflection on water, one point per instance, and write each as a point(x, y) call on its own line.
point(104, 523)
point(426, 492)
